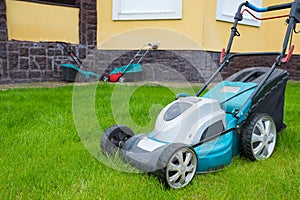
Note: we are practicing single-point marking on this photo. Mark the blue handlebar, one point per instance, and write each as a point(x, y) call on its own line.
point(269, 8)
point(255, 8)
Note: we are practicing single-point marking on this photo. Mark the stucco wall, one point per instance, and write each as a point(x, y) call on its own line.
point(200, 25)
point(41, 22)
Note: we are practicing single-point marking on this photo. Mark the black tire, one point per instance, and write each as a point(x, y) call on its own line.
point(81, 78)
point(122, 79)
point(114, 138)
point(177, 165)
point(258, 137)
point(105, 78)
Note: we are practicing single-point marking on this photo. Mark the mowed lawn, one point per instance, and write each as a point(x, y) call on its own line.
point(42, 155)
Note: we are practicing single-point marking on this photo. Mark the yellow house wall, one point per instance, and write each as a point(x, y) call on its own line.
point(197, 29)
point(41, 22)
point(172, 34)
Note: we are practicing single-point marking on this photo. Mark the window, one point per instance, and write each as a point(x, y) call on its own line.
point(226, 10)
point(146, 9)
point(62, 2)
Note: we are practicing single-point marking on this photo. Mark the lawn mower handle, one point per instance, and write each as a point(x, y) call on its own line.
point(269, 8)
point(224, 64)
point(67, 49)
point(294, 18)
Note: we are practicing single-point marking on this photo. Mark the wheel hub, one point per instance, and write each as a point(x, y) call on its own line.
point(121, 143)
point(265, 139)
point(183, 169)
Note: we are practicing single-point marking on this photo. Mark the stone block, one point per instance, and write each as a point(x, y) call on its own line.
point(47, 74)
point(20, 80)
point(49, 45)
point(24, 51)
point(2, 24)
point(91, 38)
point(2, 6)
point(13, 60)
point(2, 46)
point(88, 5)
point(83, 37)
point(82, 53)
point(59, 52)
point(41, 62)
point(12, 46)
point(24, 63)
point(37, 51)
point(4, 67)
point(49, 63)
point(3, 55)
point(17, 74)
point(3, 15)
point(91, 20)
point(33, 64)
point(50, 52)
point(34, 74)
point(5, 81)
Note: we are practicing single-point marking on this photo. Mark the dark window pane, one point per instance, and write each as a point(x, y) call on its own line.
point(69, 2)
point(66, 2)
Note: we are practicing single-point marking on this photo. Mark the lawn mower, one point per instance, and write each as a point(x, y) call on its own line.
point(133, 68)
point(195, 134)
point(75, 71)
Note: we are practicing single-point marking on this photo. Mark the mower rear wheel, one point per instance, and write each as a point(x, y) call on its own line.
point(177, 165)
point(258, 137)
point(114, 138)
point(81, 78)
point(122, 79)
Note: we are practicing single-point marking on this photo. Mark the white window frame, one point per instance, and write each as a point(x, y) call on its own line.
point(149, 10)
point(226, 10)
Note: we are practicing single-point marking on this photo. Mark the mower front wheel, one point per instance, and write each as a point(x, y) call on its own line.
point(177, 165)
point(114, 138)
point(258, 137)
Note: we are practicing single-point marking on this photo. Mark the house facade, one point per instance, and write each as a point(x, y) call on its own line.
point(106, 34)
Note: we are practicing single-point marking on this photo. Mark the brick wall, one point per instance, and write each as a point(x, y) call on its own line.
point(3, 39)
point(32, 62)
point(165, 65)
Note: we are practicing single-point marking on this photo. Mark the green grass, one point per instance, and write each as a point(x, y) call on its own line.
point(49, 148)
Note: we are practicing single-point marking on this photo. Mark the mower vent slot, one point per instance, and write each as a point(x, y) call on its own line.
point(248, 76)
point(252, 76)
point(212, 130)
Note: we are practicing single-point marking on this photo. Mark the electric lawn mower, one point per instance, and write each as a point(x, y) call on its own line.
point(76, 70)
point(133, 68)
point(202, 133)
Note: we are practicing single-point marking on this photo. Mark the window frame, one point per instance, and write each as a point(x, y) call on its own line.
point(157, 14)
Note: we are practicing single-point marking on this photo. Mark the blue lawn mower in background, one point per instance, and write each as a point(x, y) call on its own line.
point(75, 71)
point(194, 134)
